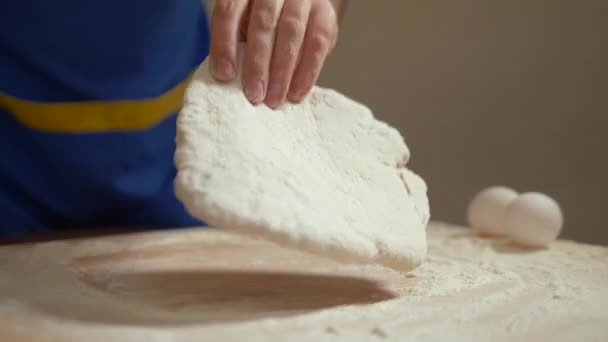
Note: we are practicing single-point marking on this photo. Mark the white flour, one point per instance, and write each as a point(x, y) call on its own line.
point(469, 289)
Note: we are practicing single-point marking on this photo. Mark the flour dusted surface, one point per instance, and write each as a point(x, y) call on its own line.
point(155, 287)
point(323, 175)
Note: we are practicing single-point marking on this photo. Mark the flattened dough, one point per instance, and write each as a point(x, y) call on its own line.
point(323, 175)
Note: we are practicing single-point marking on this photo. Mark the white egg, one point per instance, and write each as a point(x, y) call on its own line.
point(486, 211)
point(533, 219)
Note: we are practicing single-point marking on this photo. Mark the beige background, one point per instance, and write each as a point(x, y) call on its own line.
point(489, 92)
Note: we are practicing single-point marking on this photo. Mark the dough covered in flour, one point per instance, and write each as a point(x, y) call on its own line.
point(323, 175)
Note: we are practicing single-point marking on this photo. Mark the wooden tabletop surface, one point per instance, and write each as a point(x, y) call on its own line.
point(203, 284)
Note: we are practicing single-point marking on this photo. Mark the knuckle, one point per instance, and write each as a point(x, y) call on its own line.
point(292, 25)
point(224, 8)
point(264, 19)
point(321, 39)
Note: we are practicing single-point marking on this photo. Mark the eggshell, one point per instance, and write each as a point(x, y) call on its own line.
point(533, 219)
point(486, 211)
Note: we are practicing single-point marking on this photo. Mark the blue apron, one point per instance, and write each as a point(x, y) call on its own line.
point(89, 91)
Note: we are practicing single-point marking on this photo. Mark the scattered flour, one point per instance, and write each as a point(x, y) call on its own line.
point(125, 289)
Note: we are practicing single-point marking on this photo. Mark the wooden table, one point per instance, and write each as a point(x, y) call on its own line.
point(207, 285)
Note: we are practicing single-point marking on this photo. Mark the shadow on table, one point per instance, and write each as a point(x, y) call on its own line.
point(501, 245)
point(199, 297)
point(508, 247)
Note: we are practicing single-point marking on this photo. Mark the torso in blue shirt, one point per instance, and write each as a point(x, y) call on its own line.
point(88, 96)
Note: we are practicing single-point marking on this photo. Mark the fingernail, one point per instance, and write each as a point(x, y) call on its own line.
point(224, 69)
point(255, 91)
point(274, 97)
point(296, 95)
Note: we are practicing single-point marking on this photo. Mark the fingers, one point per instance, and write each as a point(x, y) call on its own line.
point(258, 52)
point(290, 30)
point(287, 42)
point(225, 21)
point(320, 37)
point(245, 23)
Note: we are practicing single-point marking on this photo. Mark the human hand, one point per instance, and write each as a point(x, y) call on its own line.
point(287, 42)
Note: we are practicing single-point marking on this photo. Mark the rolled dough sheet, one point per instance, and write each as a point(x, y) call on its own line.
point(323, 175)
